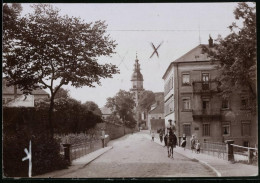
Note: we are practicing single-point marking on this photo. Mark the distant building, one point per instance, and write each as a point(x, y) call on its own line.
point(105, 112)
point(137, 87)
point(8, 93)
point(156, 114)
point(192, 100)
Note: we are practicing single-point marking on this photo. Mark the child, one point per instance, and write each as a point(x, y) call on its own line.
point(153, 136)
point(198, 147)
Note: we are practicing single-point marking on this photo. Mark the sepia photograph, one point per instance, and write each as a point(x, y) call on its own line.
point(129, 90)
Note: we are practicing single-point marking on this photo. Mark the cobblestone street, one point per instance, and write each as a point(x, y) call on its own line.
point(136, 156)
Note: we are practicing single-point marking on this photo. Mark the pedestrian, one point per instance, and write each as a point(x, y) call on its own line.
point(103, 138)
point(153, 135)
point(198, 147)
point(192, 143)
point(165, 139)
point(183, 142)
point(161, 135)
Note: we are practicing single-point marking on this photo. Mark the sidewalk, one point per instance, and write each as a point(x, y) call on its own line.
point(76, 164)
point(221, 167)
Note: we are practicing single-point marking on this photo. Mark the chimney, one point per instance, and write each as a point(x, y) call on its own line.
point(210, 42)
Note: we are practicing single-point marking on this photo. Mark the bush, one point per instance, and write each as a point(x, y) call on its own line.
point(46, 155)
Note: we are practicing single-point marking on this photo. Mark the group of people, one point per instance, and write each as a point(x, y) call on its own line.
point(170, 136)
point(194, 144)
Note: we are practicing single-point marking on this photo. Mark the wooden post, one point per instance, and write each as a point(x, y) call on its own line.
point(230, 150)
point(67, 152)
point(250, 155)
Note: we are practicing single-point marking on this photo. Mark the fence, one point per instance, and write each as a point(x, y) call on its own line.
point(74, 151)
point(81, 149)
point(217, 149)
point(245, 154)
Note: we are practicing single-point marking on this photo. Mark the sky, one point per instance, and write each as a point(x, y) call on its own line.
point(179, 27)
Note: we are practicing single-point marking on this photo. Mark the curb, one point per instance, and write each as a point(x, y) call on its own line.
point(110, 147)
point(74, 168)
point(200, 161)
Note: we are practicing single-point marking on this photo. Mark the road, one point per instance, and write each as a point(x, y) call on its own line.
point(136, 156)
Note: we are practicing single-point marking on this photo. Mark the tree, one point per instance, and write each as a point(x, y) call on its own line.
point(62, 93)
point(237, 54)
point(147, 99)
point(93, 107)
point(11, 12)
point(123, 104)
point(49, 47)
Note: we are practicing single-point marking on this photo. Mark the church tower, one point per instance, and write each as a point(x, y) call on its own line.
point(137, 82)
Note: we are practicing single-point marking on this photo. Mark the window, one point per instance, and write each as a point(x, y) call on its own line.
point(205, 81)
point(169, 106)
point(186, 104)
point(168, 86)
point(205, 104)
point(225, 129)
point(134, 86)
point(225, 104)
point(244, 102)
point(186, 129)
point(246, 128)
point(206, 130)
point(160, 118)
point(3, 100)
point(185, 79)
point(246, 144)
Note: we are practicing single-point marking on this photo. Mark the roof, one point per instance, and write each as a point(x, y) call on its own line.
point(194, 55)
point(105, 110)
point(10, 90)
point(137, 75)
point(159, 104)
point(158, 109)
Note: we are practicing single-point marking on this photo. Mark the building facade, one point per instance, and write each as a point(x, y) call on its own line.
point(200, 110)
point(8, 94)
point(169, 110)
point(156, 114)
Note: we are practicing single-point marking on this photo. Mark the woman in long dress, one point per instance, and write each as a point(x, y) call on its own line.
point(183, 142)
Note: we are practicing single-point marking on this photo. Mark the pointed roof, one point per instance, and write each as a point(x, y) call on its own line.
point(196, 54)
point(137, 76)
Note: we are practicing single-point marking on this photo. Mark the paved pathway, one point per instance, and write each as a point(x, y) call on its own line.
point(136, 156)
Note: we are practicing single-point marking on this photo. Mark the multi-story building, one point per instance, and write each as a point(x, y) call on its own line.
point(9, 93)
point(199, 109)
point(137, 87)
point(156, 114)
point(169, 113)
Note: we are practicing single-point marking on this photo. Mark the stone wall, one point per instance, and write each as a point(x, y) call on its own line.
point(114, 130)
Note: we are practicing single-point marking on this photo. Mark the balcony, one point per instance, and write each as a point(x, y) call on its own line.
point(206, 113)
point(201, 87)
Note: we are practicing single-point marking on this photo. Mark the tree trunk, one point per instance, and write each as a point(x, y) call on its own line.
point(50, 118)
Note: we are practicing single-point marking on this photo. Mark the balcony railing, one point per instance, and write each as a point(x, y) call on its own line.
point(206, 113)
point(205, 87)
